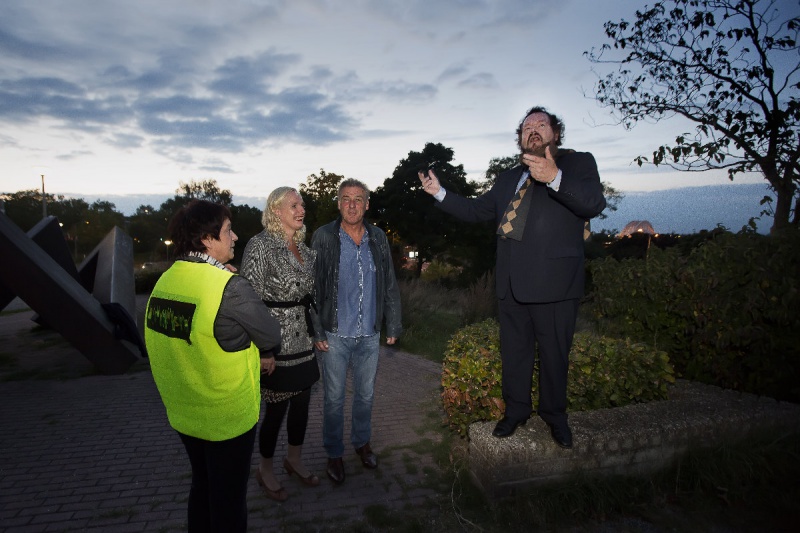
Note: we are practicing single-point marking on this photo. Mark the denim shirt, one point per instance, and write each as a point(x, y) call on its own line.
point(356, 296)
point(327, 244)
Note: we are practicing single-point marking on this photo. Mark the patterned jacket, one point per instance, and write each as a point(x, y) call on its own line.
point(287, 288)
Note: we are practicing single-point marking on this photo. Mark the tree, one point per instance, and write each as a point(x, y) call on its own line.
point(319, 193)
point(246, 222)
point(408, 213)
point(201, 190)
point(728, 66)
point(71, 213)
point(100, 218)
point(498, 165)
point(24, 208)
point(205, 190)
point(148, 229)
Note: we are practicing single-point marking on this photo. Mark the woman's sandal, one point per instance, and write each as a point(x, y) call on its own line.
point(279, 495)
point(311, 480)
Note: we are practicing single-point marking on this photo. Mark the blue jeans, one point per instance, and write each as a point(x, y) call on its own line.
point(360, 353)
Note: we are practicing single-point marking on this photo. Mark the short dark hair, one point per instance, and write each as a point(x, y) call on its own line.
point(194, 222)
point(556, 123)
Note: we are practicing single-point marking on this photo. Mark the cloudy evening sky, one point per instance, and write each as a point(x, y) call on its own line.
point(120, 98)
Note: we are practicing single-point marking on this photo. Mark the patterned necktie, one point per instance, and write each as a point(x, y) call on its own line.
point(513, 224)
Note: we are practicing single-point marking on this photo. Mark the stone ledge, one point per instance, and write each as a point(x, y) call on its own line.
point(630, 440)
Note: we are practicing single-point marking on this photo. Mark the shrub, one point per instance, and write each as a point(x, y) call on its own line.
point(603, 372)
point(725, 311)
point(430, 315)
point(145, 279)
point(418, 297)
point(421, 298)
point(471, 376)
point(478, 301)
point(612, 372)
point(440, 271)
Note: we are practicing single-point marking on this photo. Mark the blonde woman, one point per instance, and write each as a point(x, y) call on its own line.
point(281, 269)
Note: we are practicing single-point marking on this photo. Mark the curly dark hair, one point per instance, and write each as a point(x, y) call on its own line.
point(195, 221)
point(556, 123)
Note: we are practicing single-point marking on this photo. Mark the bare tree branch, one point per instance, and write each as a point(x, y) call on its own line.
point(731, 67)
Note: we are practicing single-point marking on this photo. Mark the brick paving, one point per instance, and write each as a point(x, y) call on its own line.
point(96, 453)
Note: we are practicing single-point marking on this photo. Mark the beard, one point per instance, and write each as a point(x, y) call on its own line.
point(540, 150)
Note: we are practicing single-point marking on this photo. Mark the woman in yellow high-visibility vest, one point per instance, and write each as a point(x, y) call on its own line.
point(206, 331)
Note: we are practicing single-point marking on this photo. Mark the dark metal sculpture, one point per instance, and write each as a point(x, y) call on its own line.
point(93, 307)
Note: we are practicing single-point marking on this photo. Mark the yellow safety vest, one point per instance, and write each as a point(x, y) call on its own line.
point(209, 393)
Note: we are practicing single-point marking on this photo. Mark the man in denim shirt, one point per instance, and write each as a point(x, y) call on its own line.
point(355, 286)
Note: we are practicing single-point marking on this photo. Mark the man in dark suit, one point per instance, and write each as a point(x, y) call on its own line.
point(540, 208)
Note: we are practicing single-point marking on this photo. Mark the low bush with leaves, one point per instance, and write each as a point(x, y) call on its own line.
point(478, 300)
point(145, 279)
point(726, 312)
point(603, 372)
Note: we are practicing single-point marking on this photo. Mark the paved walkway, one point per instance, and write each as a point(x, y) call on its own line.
point(96, 453)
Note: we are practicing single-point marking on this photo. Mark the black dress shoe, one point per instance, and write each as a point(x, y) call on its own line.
point(506, 427)
point(335, 470)
point(368, 459)
point(561, 435)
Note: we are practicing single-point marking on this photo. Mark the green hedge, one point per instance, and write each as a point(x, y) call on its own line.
point(603, 372)
point(145, 279)
point(726, 312)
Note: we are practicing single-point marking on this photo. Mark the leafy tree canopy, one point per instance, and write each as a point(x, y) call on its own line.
point(84, 225)
point(25, 207)
point(728, 66)
point(148, 229)
point(201, 190)
point(319, 193)
point(497, 165)
point(246, 222)
point(205, 190)
point(408, 213)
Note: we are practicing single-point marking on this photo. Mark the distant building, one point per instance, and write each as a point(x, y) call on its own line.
point(636, 226)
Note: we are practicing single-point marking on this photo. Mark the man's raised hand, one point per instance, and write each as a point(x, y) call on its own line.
point(430, 183)
point(542, 169)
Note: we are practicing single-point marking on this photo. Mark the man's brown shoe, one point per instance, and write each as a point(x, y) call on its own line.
point(335, 470)
point(368, 459)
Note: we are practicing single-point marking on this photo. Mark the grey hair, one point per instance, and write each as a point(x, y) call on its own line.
point(350, 182)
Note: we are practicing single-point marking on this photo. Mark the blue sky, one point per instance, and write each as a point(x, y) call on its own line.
point(119, 98)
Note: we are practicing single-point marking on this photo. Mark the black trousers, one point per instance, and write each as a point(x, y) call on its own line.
point(220, 472)
point(296, 423)
point(523, 326)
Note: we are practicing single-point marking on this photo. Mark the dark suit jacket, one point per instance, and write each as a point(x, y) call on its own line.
point(547, 264)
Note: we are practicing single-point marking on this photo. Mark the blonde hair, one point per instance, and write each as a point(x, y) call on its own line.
point(270, 220)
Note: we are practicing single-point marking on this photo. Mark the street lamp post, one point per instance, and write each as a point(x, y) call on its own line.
point(41, 171)
point(75, 240)
point(167, 243)
point(44, 200)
